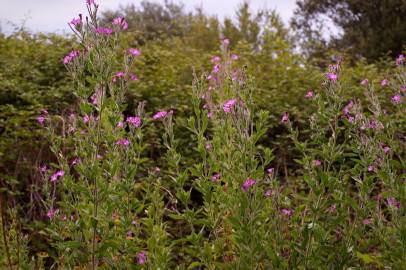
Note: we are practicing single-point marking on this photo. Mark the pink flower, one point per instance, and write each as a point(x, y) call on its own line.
point(120, 22)
point(159, 115)
point(215, 59)
point(51, 213)
point(215, 177)
point(75, 161)
point(86, 119)
point(71, 56)
point(234, 57)
point(371, 168)
point(287, 212)
point(134, 121)
point(347, 107)
point(364, 82)
point(123, 142)
point(104, 31)
point(133, 77)
point(269, 193)
point(367, 221)
point(141, 257)
point(393, 202)
point(403, 88)
point(332, 77)
point(384, 82)
point(41, 119)
point(120, 124)
point(209, 115)
point(134, 52)
point(93, 99)
point(247, 184)
point(228, 105)
point(225, 42)
point(90, 2)
point(400, 59)
point(216, 69)
point(270, 171)
point(316, 163)
point(309, 94)
point(57, 175)
point(285, 118)
point(386, 149)
point(118, 75)
point(396, 99)
point(76, 22)
point(43, 168)
point(208, 146)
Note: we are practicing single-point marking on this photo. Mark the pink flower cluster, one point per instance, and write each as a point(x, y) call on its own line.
point(120, 22)
point(134, 121)
point(51, 213)
point(134, 52)
point(121, 74)
point(123, 142)
point(72, 55)
point(41, 118)
point(384, 82)
point(309, 94)
point(287, 212)
point(228, 105)
point(76, 22)
point(316, 163)
point(104, 31)
point(247, 184)
point(400, 59)
point(285, 118)
point(141, 258)
point(216, 177)
point(332, 77)
point(393, 202)
point(215, 59)
point(159, 115)
point(57, 175)
point(396, 99)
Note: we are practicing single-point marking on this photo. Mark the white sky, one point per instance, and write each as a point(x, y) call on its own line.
point(53, 15)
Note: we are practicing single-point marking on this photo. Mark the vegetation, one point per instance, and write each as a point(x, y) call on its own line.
point(156, 139)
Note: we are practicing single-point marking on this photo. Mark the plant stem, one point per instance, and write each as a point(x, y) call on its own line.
point(3, 224)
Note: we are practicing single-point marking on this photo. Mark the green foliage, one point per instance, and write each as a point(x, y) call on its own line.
point(219, 181)
point(371, 29)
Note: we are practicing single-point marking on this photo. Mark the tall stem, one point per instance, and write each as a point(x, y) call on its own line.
point(3, 225)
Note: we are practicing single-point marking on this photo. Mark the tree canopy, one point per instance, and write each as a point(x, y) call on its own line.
point(369, 29)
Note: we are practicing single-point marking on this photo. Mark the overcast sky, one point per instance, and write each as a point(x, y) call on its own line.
point(53, 15)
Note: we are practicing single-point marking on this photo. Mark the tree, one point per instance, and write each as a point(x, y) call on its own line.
point(370, 29)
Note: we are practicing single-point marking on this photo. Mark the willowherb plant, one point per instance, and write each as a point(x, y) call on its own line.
point(101, 213)
point(232, 173)
point(353, 174)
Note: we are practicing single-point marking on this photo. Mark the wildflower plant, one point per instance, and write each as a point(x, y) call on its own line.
point(351, 179)
point(231, 175)
point(93, 194)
